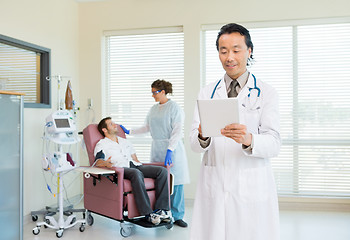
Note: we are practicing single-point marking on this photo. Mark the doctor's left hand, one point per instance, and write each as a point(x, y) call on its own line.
point(168, 157)
point(238, 132)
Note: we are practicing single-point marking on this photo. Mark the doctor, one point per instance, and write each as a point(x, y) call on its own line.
point(236, 197)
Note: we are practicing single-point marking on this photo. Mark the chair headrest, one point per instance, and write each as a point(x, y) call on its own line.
point(92, 136)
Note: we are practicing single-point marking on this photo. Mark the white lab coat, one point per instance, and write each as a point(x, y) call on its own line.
point(236, 196)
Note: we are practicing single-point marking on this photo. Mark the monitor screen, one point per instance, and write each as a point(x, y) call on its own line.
point(62, 123)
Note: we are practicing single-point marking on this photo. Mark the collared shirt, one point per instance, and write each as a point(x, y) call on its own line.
point(120, 152)
point(242, 81)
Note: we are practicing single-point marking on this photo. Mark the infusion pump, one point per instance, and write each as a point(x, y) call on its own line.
point(60, 121)
point(61, 127)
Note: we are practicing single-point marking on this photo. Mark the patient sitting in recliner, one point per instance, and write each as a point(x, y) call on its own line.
point(114, 151)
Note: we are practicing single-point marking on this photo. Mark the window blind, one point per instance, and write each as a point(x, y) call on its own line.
point(19, 69)
point(308, 65)
point(133, 62)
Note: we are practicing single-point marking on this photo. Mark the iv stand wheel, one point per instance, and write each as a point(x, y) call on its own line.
point(82, 228)
point(73, 220)
point(47, 221)
point(59, 233)
point(34, 218)
point(36, 231)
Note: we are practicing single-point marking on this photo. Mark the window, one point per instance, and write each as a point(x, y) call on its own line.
point(308, 65)
point(134, 59)
point(24, 68)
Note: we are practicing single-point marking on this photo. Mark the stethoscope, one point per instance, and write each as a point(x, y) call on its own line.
point(253, 105)
point(250, 89)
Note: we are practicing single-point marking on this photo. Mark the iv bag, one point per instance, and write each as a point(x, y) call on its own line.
point(69, 96)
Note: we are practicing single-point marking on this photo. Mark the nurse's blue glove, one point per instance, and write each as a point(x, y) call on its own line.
point(124, 129)
point(169, 155)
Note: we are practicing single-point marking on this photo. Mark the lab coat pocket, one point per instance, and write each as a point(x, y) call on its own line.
point(253, 184)
point(252, 120)
point(210, 181)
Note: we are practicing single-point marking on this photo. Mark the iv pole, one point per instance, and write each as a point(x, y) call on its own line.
point(59, 79)
point(50, 221)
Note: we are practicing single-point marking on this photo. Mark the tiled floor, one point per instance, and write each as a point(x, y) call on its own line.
point(295, 225)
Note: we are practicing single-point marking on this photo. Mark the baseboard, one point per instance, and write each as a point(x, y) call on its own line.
point(305, 204)
point(314, 204)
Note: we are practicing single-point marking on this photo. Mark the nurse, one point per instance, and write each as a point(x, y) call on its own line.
point(164, 121)
point(236, 195)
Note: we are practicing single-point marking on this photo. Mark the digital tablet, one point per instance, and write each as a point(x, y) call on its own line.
point(215, 114)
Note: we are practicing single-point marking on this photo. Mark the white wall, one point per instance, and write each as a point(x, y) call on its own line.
point(52, 24)
point(94, 18)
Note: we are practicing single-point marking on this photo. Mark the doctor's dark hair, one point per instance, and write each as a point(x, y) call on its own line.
point(102, 124)
point(161, 84)
point(232, 28)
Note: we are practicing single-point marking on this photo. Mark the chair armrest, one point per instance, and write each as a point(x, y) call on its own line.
point(155, 164)
point(118, 170)
point(159, 164)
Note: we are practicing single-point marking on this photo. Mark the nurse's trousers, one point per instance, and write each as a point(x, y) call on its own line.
point(178, 202)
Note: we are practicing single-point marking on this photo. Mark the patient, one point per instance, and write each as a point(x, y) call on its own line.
point(113, 151)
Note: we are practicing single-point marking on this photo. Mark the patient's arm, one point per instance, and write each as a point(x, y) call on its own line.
point(100, 160)
point(104, 163)
point(134, 157)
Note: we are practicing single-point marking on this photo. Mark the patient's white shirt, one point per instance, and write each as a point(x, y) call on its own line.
point(120, 153)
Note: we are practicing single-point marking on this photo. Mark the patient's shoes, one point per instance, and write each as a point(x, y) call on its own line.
point(159, 215)
point(164, 215)
point(153, 218)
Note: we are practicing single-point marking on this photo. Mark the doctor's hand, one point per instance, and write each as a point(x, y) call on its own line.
point(238, 132)
point(124, 129)
point(168, 157)
point(200, 133)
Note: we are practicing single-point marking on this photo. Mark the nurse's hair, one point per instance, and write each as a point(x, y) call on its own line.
point(232, 28)
point(102, 124)
point(161, 84)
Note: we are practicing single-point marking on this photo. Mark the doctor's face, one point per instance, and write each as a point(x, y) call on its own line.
point(233, 54)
